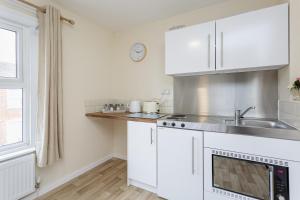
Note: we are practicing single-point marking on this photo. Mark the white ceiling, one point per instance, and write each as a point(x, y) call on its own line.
point(123, 14)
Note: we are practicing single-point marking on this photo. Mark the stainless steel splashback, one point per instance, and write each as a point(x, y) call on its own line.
point(221, 94)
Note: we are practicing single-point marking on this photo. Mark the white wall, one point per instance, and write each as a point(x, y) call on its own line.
point(294, 70)
point(120, 139)
point(86, 72)
point(288, 75)
point(295, 39)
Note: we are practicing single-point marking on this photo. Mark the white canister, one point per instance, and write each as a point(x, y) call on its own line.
point(135, 106)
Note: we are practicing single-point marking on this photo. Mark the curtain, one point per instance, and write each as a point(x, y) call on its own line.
point(49, 137)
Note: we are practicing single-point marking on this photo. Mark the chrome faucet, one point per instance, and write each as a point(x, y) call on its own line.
point(238, 115)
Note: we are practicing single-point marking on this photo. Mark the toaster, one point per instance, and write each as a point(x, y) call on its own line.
point(151, 107)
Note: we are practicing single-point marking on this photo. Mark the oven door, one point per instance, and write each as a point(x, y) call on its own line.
point(233, 175)
point(248, 178)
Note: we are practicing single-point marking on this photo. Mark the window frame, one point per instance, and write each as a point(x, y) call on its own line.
point(25, 27)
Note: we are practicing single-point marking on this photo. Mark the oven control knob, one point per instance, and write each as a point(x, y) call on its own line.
point(173, 124)
point(165, 123)
point(182, 125)
point(280, 197)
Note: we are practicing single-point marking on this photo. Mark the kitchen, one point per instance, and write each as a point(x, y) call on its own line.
point(198, 147)
point(201, 103)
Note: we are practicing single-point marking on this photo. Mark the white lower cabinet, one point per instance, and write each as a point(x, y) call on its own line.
point(142, 155)
point(180, 164)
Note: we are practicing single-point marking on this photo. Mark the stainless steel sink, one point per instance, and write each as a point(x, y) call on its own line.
point(261, 123)
point(264, 123)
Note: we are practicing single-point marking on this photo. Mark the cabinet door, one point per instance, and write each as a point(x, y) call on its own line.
point(142, 157)
point(191, 50)
point(180, 164)
point(257, 39)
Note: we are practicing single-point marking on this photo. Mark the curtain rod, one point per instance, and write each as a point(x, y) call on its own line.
point(70, 21)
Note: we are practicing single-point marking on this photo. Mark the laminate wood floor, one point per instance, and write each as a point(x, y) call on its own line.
point(106, 182)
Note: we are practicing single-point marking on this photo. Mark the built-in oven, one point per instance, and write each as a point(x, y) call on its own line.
point(245, 177)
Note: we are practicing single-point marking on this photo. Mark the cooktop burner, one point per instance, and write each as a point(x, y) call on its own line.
point(187, 121)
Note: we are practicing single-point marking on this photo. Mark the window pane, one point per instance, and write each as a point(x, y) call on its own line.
point(8, 55)
point(11, 116)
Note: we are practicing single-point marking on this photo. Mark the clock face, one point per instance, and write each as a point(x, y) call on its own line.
point(138, 52)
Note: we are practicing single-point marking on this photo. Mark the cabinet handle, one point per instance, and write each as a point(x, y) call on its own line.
point(193, 155)
point(222, 49)
point(271, 171)
point(208, 50)
point(151, 136)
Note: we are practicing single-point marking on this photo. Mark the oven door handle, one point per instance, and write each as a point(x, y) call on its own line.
point(271, 175)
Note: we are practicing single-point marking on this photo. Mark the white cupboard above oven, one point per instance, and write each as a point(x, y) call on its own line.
point(257, 40)
point(180, 164)
point(191, 49)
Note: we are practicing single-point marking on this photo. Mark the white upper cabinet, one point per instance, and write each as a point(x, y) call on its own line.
point(191, 50)
point(257, 40)
point(253, 41)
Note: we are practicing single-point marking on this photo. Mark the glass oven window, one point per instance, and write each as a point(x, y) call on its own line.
point(241, 176)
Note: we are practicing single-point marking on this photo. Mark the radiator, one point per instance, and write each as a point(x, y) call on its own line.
point(17, 177)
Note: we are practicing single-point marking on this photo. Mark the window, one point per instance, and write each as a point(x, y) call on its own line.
point(8, 54)
point(11, 119)
point(17, 80)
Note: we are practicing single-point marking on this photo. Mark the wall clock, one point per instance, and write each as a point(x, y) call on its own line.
point(138, 52)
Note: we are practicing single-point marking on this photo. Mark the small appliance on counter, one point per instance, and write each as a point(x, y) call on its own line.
point(150, 107)
point(135, 106)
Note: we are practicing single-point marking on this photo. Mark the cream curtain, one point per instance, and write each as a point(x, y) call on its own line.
point(49, 138)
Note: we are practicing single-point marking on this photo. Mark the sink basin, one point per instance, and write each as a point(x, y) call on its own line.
point(262, 123)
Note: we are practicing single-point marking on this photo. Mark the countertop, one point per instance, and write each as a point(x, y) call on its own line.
point(218, 124)
point(210, 124)
point(119, 116)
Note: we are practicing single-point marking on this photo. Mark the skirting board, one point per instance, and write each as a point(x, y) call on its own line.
point(119, 156)
point(67, 178)
point(142, 185)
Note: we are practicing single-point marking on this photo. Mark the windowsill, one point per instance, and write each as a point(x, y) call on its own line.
point(16, 154)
